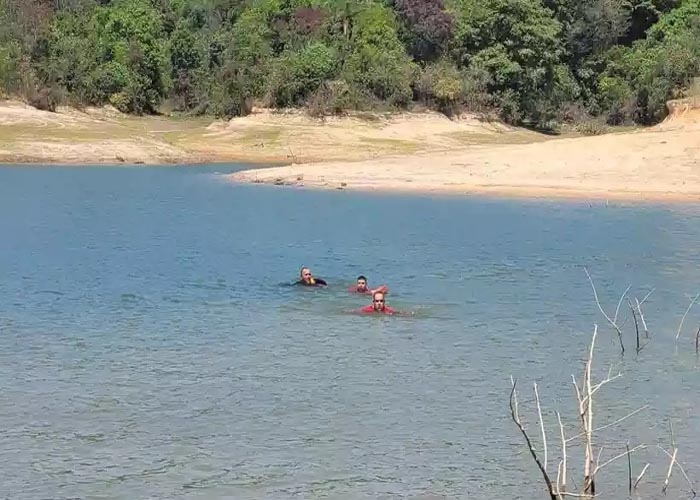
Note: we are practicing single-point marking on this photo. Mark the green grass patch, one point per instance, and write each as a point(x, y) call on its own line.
point(394, 145)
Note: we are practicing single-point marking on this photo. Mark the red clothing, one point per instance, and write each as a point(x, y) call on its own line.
point(369, 291)
point(370, 309)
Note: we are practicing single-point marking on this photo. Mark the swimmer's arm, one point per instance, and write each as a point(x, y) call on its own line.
point(321, 281)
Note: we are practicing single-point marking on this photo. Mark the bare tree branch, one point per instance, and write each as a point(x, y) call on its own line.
point(516, 419)
point(641, 475)
point(629, 468)
point(611, 424)
point(563, 452)
point(587, 418)
point(623, 454)
point(603, 382)
point(680, 467)
point(544, 435)
point(670, 469)
point(611, 321)
point(559, 478)
point(636, 326)
point(619, 302)
point(641, 313)
point(686, 313)
point(646, 297)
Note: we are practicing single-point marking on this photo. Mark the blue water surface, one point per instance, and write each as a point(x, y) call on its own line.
point(149, 347)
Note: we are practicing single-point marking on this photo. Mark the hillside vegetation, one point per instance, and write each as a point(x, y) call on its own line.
point(532, 62)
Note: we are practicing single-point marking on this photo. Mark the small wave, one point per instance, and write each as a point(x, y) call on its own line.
point(49, 292)
point(131, 297)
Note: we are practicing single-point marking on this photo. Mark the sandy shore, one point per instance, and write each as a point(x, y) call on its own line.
point(659, 163)
point(98, 136)
point(418, 152)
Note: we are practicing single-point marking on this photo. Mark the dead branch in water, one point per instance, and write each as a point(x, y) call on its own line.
point(674, 460)
point(626, 453)
point(640, 476)
point(641, 314)
point(612, 322)
point(629, 468)
point(585, 392)
point(640, 346)
point(544, 435)
point(515, 415)
point(692, 302)
point(611, 424)
point(585, 405)
point(697, 341)
point(562, 486)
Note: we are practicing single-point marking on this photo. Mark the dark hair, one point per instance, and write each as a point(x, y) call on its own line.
point(360, 277)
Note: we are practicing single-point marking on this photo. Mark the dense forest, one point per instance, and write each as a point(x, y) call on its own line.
point(533, 62)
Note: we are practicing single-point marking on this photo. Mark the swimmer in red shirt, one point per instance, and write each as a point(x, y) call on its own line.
point(362, 287)
point(378, 305)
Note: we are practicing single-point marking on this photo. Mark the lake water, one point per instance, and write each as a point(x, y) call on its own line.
point(149, 350)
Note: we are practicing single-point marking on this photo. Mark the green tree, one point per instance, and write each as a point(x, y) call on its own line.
point(515, 42)
point(377, 61)
point(130, 40)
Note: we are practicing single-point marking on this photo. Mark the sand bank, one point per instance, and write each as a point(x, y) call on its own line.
point(421, 152)
point(95, 136)
point(659, 163)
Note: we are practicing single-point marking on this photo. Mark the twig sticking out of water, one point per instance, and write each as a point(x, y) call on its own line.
point(544, 435)
point(640, 476)
point(626, 453)
point(585, 405)
point(613, 321)
point(673, 456)
point(592, 462)
point(678, 334)
point(636, 324)
point(641, 314)
point(629, 467)
point(697, 342)
point(515, 415)
point(561, 486)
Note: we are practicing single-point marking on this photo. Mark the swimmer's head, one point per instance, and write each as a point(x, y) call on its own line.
point(361, 284)
point(306, 275)
point(378, 301)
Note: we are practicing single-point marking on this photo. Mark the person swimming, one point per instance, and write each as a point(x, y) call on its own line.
point(361, 286)
point(378, 305)
point(308, 279)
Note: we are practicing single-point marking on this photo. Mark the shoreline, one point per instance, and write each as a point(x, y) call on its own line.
point(411, 152)
point(510, 192)
point(657, 164)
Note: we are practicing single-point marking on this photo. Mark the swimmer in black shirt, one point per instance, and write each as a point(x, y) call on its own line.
point(308, 279)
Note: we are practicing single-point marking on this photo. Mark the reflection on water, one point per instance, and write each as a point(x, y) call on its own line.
point(148, 349)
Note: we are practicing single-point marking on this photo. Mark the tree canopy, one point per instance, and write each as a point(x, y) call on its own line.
point(529, 61)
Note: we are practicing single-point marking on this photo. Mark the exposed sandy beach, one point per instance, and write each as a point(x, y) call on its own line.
point(420, 152)
point(659, 163)
point(98, 136)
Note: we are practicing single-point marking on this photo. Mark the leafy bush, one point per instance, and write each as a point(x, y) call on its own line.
point(299, 73)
